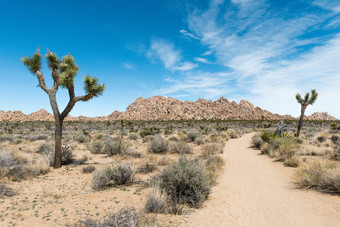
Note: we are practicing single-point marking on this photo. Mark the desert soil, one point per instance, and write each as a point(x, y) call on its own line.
point(257, 191)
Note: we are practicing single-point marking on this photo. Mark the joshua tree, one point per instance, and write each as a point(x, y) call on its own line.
point(308, 100)
point(63, 73)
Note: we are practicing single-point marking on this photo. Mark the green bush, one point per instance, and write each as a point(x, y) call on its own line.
point(186, 182)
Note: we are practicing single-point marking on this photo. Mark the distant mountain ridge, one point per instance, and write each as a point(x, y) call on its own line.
point(162, 108)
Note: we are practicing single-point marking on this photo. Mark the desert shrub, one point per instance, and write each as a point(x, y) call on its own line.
point(133, 152)
point(256, 141)
point(42, 165)
point(133, 136)
point(47, 150)
point(211, 149)
point(115, 147)
point(335, 155)
point(122, 173)
point(88, 169)
point(232, 134)
point(99, 136)
point(80, 138)
point(155, 202)
point(321, 138)
point(20, 172)
point(117, 175)
point(147, 168)
point(182, 136)
point(320, 176)
point(82, 160)
point(265, 148)
point(199, 140)
point(335, 139)
point(180, 148)
point(292, 161)
point(287, 147)
point(96, 147)
point(214, 165)
point(192, 135)
point(100, 179)
point(173, 138)
point(185, 182)
point(125, 217)
point(158, 145)
point(6, 191)
point(37, 137)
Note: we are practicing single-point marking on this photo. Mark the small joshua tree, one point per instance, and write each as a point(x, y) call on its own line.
point(63, 73)
point(308, 100)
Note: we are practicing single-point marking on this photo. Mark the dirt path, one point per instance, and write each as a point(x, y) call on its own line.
point(255, 191)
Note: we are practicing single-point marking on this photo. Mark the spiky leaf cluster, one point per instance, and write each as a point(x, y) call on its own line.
point(32, 63)
point(53, 61)
point(92, 87)
point(67, 71)
point(309, 99)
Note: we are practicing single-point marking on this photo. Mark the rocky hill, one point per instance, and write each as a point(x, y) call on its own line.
point(161, 108)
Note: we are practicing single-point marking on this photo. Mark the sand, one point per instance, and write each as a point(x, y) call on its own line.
point(257, 191)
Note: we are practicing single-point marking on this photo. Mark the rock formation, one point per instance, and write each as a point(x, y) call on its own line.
point(161, 108)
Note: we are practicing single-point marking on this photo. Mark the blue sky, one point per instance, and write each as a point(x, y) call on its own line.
point(264, 51)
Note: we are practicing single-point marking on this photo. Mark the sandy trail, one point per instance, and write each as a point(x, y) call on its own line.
point(255, 191)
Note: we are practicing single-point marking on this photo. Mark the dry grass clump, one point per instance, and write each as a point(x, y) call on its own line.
point(133, 136)
point(6, 191)
point(209, 149)
point(156, 202)
point(117, 175)
point(88, 169)
point(96, 147)
point(185, 182)
point(323, 176)
point(214, 165)
point(147, 167)
point(233, 134)
point(126, 217)
point(256, 141)
point(158, 145)
point(192, 135)
point(15, 165)
point(180, 147)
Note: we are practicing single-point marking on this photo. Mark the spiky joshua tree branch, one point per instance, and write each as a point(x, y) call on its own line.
point(63, 73)
point(309, 99)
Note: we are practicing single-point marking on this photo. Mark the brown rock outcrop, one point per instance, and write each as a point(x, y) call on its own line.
point(161, 108)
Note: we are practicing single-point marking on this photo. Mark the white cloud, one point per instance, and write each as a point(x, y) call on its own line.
point(129, 65)
point(333, 5)
point(170, 57)
point(260, 52)
point(188, 34)
point(185, 66)
point(203, 60)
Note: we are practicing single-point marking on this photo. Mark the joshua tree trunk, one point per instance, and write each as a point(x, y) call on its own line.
point(303, 108)
point(58, 136)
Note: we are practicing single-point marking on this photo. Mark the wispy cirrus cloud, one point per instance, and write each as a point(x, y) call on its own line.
point(171, 58)
point(268, 56)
